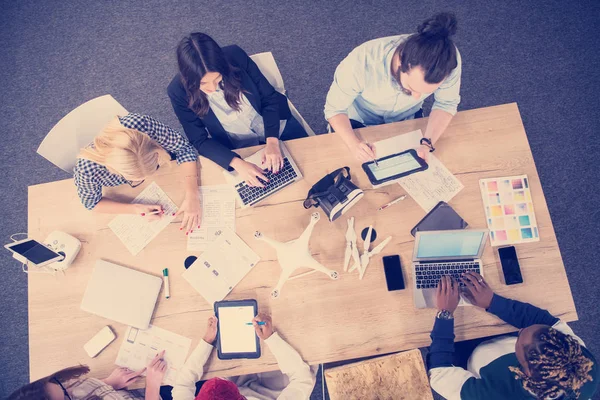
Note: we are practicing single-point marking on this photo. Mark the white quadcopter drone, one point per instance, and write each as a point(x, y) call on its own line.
point(295, 254)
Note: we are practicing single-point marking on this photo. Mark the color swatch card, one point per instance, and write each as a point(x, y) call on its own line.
point(509, 210)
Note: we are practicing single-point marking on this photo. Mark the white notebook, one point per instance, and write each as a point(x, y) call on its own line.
point(216, 272)
point(121, 294)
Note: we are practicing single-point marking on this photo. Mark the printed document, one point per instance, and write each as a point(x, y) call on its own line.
point(218, 213)
point(136, 231)
point(222, 266)
point(427, 187)
point(140, 346)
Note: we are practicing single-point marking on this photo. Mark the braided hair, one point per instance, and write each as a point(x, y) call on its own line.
point(557, 365)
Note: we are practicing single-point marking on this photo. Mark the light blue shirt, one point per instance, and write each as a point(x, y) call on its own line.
point(364, 89)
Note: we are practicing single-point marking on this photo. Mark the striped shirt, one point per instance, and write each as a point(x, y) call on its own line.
point(90, 177)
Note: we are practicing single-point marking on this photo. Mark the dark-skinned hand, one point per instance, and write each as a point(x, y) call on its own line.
point(447, 295)
point(477, 290)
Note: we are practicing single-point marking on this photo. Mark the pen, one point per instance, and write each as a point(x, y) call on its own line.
point(399, 199)
point(374, 159)
point(166, 281)
point(153, 213)
point(259, 323)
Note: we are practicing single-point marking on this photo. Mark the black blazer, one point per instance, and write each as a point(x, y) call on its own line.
point(269, 103)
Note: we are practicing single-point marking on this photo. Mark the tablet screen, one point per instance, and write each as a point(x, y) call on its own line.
point(34, 251)
point(235, 335)
point(394, 166)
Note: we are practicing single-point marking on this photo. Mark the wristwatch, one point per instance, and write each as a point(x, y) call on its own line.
point(444, 314)
point(427, 142)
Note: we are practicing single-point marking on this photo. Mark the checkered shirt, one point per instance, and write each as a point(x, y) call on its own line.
point(91, 177)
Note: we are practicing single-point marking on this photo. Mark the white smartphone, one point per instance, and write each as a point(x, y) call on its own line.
point(34, 253)
point(99, 341)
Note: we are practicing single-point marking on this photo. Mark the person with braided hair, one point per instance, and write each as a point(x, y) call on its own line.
point(387, 80)
point(545, 361)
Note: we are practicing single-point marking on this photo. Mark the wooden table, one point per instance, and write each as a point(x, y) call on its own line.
point(324, 320)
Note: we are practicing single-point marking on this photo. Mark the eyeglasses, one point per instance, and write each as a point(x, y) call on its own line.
point(62, 387)
point(135, 184)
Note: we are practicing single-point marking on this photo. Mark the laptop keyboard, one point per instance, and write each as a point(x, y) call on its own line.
point(251, 195)
point(428, 275)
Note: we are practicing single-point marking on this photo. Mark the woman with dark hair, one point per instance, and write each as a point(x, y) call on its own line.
point(386, 80)
point(221, 92)
point(545, 361)
point(71, 383)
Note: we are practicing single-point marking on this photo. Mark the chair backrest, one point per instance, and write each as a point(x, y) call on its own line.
point(77, 129)
point(267, 65)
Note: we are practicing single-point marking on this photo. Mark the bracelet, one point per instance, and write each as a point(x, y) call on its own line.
point(427, 142)
point(444, 314)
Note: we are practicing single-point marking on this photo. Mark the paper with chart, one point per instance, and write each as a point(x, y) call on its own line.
point(433, 185)
point(136, 231)
point(218, 212)
point(427, 187)
point(222, 266)
point(140, 346)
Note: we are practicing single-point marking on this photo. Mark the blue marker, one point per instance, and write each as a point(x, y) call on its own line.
point(259, 323)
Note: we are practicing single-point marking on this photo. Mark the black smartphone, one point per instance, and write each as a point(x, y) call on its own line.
point(510, 265)
point(393, 273)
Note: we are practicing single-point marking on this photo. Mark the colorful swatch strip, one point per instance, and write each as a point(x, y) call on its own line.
point(509, 210)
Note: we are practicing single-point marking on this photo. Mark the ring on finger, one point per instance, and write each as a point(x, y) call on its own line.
point(480, 280)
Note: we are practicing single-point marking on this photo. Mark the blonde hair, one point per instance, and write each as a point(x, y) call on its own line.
point(126, 151)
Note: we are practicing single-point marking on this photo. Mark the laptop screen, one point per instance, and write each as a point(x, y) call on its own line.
point(450, 244)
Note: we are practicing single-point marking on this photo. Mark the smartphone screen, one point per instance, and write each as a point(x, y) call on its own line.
point(393, 273)
point(399, 164)
point(510, 265)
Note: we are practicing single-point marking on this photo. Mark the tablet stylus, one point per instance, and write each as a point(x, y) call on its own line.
point(259, 322)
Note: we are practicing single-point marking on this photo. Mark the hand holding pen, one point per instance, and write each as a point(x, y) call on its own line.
point(264, 330)
point(364, 152)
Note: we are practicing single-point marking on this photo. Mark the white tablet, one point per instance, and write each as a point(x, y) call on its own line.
point(236, 337)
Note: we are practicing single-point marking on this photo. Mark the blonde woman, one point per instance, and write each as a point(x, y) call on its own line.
point(127, 151)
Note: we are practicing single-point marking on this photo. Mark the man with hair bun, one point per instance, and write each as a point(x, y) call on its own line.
point(387, 80)
point(545, 361)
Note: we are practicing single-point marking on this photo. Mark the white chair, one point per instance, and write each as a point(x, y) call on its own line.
point(77, 129)
point(267, 65)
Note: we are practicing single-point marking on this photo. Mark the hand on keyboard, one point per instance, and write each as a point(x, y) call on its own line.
point(249, 172)
point(274, 182)
point(477, 290)
point(447, 294)
point(272, 159)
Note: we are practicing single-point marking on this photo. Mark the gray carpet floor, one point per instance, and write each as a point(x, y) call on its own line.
point(542, 55)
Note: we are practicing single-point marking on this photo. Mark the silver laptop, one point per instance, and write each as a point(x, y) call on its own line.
point(249, 195)
point(121, 294)
point(439, 253)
